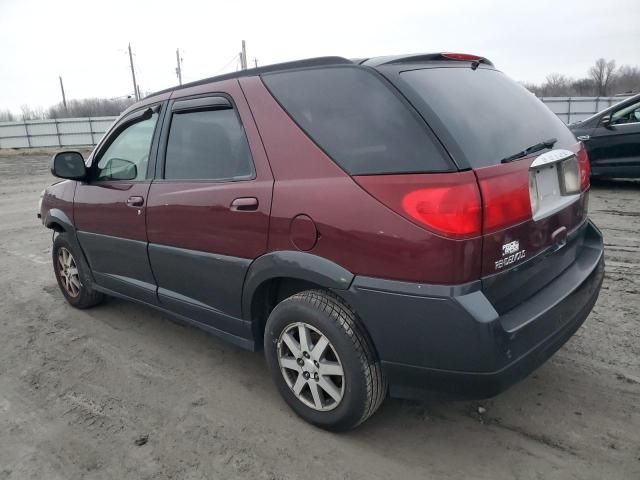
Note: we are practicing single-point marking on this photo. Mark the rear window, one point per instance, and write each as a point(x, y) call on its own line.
point(359, 121)
point(489, 115)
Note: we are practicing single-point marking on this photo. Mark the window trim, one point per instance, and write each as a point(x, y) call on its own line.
point(117, 128)
point(209, 103)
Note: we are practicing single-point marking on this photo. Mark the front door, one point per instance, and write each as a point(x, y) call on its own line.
point(614, 150)
point(208, 209)
point(109, 208)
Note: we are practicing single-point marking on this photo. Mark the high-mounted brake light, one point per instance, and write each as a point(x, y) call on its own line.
point(461, 56)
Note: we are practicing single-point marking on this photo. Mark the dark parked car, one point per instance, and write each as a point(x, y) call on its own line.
point(381, 226)
point(612, 140)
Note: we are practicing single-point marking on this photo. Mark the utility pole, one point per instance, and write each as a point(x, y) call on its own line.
point(133, 76)
point(64, 98)
point(139, 95)
point(179, 66)
point(255, 62)
point(243, 57)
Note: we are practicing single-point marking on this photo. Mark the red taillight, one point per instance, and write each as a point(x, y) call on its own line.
point(585, 167)
point(505, 195)
point(445, 203)
point(460, 56)
point(453, 210)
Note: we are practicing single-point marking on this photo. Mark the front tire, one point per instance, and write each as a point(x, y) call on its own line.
point(72, 274)
point(322, 361)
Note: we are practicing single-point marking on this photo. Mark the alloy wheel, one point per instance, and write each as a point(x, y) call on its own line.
point(68, 271)
point(311, 367)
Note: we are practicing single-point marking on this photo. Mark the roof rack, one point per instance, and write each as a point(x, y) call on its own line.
point(276, 67)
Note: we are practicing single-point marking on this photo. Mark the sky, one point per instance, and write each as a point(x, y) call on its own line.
point(85, 41)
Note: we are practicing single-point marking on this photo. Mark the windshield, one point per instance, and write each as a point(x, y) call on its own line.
point(488, 115)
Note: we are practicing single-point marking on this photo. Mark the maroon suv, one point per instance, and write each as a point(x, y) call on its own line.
point(381, 226)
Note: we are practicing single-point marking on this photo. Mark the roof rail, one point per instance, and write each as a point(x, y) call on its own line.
point(276, 67)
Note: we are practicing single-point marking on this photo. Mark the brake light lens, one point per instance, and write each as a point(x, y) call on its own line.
point(584, 166)
point(460, 56)
point(452, 210)
point(447, 204)
point(505, 196)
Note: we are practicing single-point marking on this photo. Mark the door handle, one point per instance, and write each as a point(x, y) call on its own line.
point(135, 201)
point(584, 138)
point(244, 204)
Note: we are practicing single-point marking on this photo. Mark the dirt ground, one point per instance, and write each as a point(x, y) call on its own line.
point(122, 392)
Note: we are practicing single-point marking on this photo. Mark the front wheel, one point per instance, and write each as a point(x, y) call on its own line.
point(72, 274)
point(322, 361)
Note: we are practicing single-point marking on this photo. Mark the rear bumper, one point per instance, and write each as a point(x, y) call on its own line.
point(450, 339)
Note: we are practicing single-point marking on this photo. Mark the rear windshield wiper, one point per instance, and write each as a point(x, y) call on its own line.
point(532, 149)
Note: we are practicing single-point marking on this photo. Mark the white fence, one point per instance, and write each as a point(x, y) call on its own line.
point(573, 109)
point(69, 132)
point(63, 132)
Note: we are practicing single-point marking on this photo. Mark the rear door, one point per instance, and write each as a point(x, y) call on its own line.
point(208, 208)
point(614, 149)
point(483, 117)
point(109, 208)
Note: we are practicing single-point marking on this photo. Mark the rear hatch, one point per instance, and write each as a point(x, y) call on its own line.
point(531, 172)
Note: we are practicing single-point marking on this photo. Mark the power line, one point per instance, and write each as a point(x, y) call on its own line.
point(235, 57)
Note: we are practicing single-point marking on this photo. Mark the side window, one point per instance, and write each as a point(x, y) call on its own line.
point(207, 145)
point(358, 120)
point(630, 114)
point(126, 158)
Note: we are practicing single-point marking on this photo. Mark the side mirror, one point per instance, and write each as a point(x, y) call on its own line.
point(68, 165)
point(606, 121)
point(119, 169)
point(636, 115)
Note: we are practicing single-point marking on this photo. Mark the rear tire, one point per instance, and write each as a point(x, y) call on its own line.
point(72, 274)
point(322, 361)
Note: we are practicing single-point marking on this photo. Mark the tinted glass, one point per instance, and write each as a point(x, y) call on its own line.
point(358, 120)
point(129, 151)
point(489, 115)
point(208, 144)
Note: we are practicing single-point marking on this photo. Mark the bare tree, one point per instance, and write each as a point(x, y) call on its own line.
point(556, 85)
point(583, 87)
point(90, 107)
point(602, 75)
point(627, 79)
point(6, 116)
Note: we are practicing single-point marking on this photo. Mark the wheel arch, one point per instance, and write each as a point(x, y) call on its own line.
point(277, 275)
point(58, 221)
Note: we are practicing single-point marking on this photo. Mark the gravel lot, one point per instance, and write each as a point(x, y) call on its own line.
point(121, 391)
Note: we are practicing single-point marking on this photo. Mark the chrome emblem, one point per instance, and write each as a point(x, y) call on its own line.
point(511, 253)
point(511, 247)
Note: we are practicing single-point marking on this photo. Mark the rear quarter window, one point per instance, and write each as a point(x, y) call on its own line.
point(358, 120)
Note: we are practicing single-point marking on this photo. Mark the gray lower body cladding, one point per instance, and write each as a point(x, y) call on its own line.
point(451, 339)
